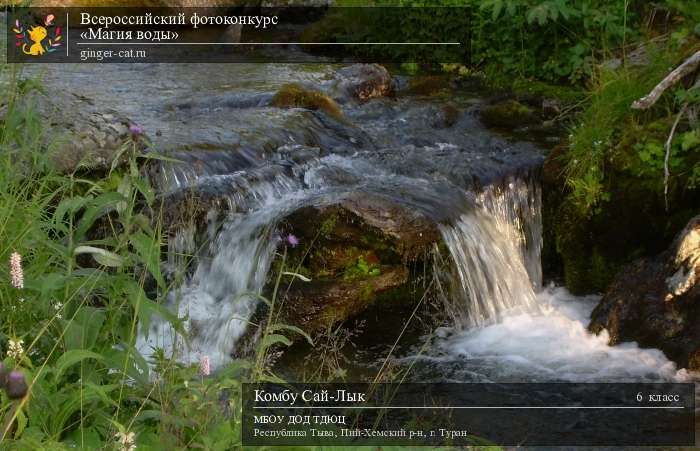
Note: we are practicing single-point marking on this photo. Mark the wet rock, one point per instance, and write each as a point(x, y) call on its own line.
point(315, 306)
point(296, 96)
point(363, 82)
point(551, 107)
point(352, 251)
point(509, 114)
point(411, 232)
point(447, 116)
point(395, 233)
point(656, 301)
point(429, 85)
point(78, 133)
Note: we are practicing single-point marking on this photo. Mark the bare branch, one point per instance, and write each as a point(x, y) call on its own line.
point(671, 79)
point(667, 147)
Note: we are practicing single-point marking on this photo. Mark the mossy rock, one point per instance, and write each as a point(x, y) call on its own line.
point(352, 252)
point(509, 114)
point(319, 305)
point(428, 84)
point(296, 96)
point(633, 223)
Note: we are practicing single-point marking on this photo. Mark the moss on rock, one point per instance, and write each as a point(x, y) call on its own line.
point(295, 96)
point(508, 114)
point(427, 85)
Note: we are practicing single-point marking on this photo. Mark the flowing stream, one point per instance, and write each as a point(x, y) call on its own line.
point(263, 163)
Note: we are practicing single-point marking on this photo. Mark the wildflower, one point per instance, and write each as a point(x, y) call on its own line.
point(16, 385)
point(204, 366)
point(292, 240)
point(15, 349)
point(58, 306)
point(16, 272)
point(126, 440)
point(135, 130)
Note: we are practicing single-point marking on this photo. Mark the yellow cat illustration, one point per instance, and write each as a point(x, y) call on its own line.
point(36, 35)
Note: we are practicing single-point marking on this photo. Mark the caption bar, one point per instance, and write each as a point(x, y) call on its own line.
point(537, 414)
point(241, 34)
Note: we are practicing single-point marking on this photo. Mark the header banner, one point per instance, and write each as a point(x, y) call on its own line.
point(423, 35)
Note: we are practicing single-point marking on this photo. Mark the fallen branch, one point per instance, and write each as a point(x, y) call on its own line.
point(667, 147)
point(671, 79)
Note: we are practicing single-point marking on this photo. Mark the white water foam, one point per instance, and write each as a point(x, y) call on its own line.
point(553, 345)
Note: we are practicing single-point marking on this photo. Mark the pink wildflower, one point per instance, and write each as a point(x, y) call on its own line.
point(16, 272)
point(204, 366)
point(292, 240)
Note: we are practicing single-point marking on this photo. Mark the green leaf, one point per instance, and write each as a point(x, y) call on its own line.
point(273, 339)
point(97, 208)
point(157, 156)
point(145, 308)
point(84, 330)
point(297, 275)
point(129, 363)
point(690, 140)
point(102, 256)
point(144, 189)
point(72, 357)
point(69, 205)
point(21, 423)
point(148, 251)
point(278, 327)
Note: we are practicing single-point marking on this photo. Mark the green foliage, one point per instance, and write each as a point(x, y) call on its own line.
point(92, 277)
point(608, 135)
point(549, 39)
point(361, 269)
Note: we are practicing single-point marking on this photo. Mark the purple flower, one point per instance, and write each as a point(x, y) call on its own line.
point(292, 240)
point(135, 130)
point(16, 385)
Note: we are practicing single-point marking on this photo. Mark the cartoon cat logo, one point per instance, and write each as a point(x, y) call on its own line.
point(38, 39)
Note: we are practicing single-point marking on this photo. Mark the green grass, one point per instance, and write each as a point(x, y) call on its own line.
point(604, 133)
point(88, 251)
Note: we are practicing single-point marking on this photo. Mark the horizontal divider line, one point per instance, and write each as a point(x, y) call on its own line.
point(269, 43)
point(471, 407)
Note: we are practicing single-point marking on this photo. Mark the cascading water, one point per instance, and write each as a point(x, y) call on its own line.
point(506, 327)
point(219, 298)
point(496, 251)
point(516, 207)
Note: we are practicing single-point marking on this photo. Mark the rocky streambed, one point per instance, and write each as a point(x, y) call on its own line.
point(379, 190)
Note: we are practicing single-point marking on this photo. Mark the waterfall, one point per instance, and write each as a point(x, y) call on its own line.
point(218, 299)
point(494, 239)
point(495, 251)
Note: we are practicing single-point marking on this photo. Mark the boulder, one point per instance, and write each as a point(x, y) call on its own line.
point(656, 301)
point(362, 82)
point(318, 305)
point(296, 96)
point(78, 133)
point(509, 114)
point(352, 251)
